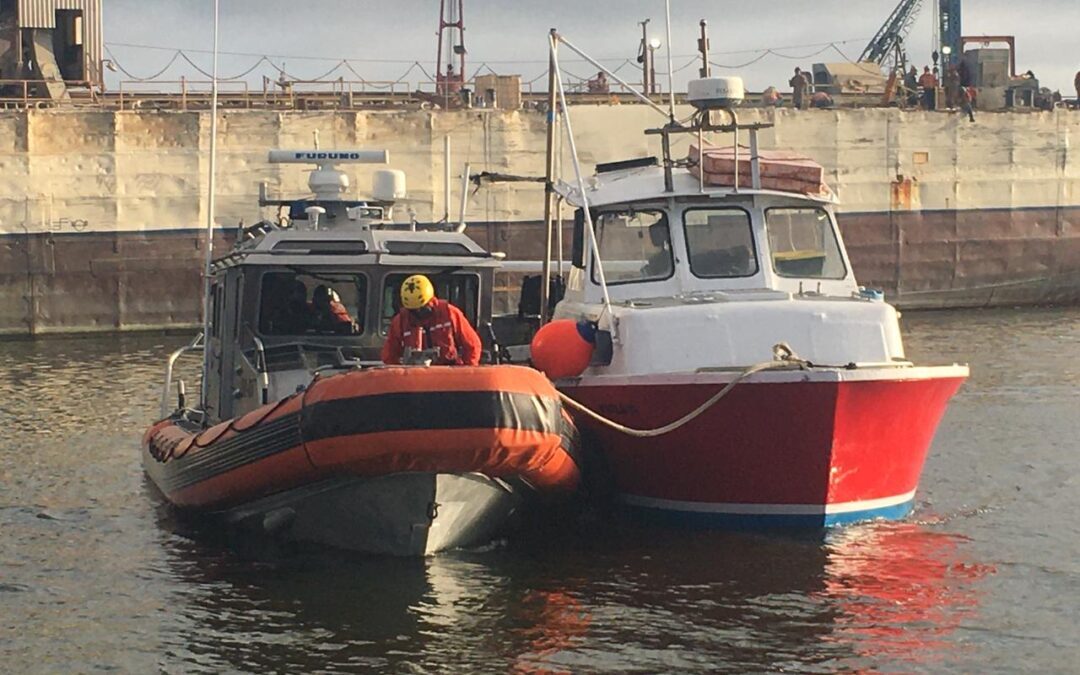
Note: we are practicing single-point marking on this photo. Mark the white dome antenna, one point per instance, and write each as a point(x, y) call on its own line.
point(715, 93)
point(388, 185)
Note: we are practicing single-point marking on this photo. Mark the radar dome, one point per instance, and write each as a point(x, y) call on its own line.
point(713, 93)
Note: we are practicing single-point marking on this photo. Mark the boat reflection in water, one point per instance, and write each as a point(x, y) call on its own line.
point(902, 591)
point(876, 597)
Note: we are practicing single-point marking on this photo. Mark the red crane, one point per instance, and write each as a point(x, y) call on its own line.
point(451, 81)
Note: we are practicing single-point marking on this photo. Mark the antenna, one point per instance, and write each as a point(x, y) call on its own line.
point(703, 47)
point(670, 64)
point(210, 208)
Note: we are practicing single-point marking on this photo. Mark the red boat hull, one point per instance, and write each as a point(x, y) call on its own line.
point(781, 452)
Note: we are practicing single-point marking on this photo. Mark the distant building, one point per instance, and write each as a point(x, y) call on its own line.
point(58, 42)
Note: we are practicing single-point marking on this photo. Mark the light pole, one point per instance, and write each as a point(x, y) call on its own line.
point(645, 59)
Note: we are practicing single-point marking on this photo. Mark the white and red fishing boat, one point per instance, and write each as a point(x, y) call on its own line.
point(740, 375)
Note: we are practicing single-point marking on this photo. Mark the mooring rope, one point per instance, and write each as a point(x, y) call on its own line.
point(784, 358)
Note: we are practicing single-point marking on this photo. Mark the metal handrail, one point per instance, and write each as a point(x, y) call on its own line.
point(133, 95)
point(26, 100)
point(261, 369)
point(195, 345)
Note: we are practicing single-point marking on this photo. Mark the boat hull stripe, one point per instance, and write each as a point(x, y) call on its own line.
point(769, 509)
point(356, 416)
point(770, 515)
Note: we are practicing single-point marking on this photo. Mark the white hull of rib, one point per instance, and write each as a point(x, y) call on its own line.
point(404, 514)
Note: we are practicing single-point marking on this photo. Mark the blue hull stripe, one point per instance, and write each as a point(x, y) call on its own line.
point(766, 521)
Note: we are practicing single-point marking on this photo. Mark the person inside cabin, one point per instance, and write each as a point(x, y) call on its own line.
point(658, 265)
point(290, 313)
point(426, 322)
point(329, 314)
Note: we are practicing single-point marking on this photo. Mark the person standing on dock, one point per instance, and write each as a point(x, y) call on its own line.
point(1076, 84)
point(952, 86)
point(911, 86)
point(929, 86)
point(799, 84)
point(426, 322)
point(967, 102)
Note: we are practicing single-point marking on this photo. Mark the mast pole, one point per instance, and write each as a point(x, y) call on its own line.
point(549, 175)
point(670, 66)
point(210, 208)
point(703, 47)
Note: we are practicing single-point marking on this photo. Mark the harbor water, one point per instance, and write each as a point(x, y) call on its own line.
point(96, 575)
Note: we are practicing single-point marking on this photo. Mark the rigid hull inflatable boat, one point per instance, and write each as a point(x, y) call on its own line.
point(390, 460)
point(302, 434)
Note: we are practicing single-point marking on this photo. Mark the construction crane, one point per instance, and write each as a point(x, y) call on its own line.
point(452, 20)
point(887, 47)
point(948, 24)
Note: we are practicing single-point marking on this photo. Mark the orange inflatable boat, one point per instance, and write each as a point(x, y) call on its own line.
point(400, 460)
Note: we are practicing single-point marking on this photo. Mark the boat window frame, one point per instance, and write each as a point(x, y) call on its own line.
point(238, 305)
point(599, 214)
point(833, 229)
point(433, 275)
point(216, 309)
point(362, 318)
point(753, 241)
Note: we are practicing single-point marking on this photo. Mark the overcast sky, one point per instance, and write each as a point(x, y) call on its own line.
point(381, 39)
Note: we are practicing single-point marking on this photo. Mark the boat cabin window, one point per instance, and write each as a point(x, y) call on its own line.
point(461, 290)
point(427, 248)
point(217, 302)
point(321, 303)
point(634, 246)
point(804, 244)
point(720, 243)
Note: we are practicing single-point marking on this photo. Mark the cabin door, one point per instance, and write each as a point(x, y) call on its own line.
point(213, 346)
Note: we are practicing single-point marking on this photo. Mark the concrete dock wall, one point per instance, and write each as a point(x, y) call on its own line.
point(100, 211)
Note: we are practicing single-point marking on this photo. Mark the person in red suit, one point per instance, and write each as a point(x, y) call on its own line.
point(329, 314)
point(426, 322)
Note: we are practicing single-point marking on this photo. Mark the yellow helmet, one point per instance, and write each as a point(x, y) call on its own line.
point(416, 292)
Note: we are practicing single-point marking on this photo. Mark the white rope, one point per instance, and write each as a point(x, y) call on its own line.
point(784, 359)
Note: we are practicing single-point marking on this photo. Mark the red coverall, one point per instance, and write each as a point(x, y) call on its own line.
point(446, 329)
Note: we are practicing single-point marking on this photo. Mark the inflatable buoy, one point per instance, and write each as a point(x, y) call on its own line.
point(563, 348)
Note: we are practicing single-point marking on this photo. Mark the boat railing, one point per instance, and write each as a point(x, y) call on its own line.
point(293, 356)
point(196, 345)
point(261, 371)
